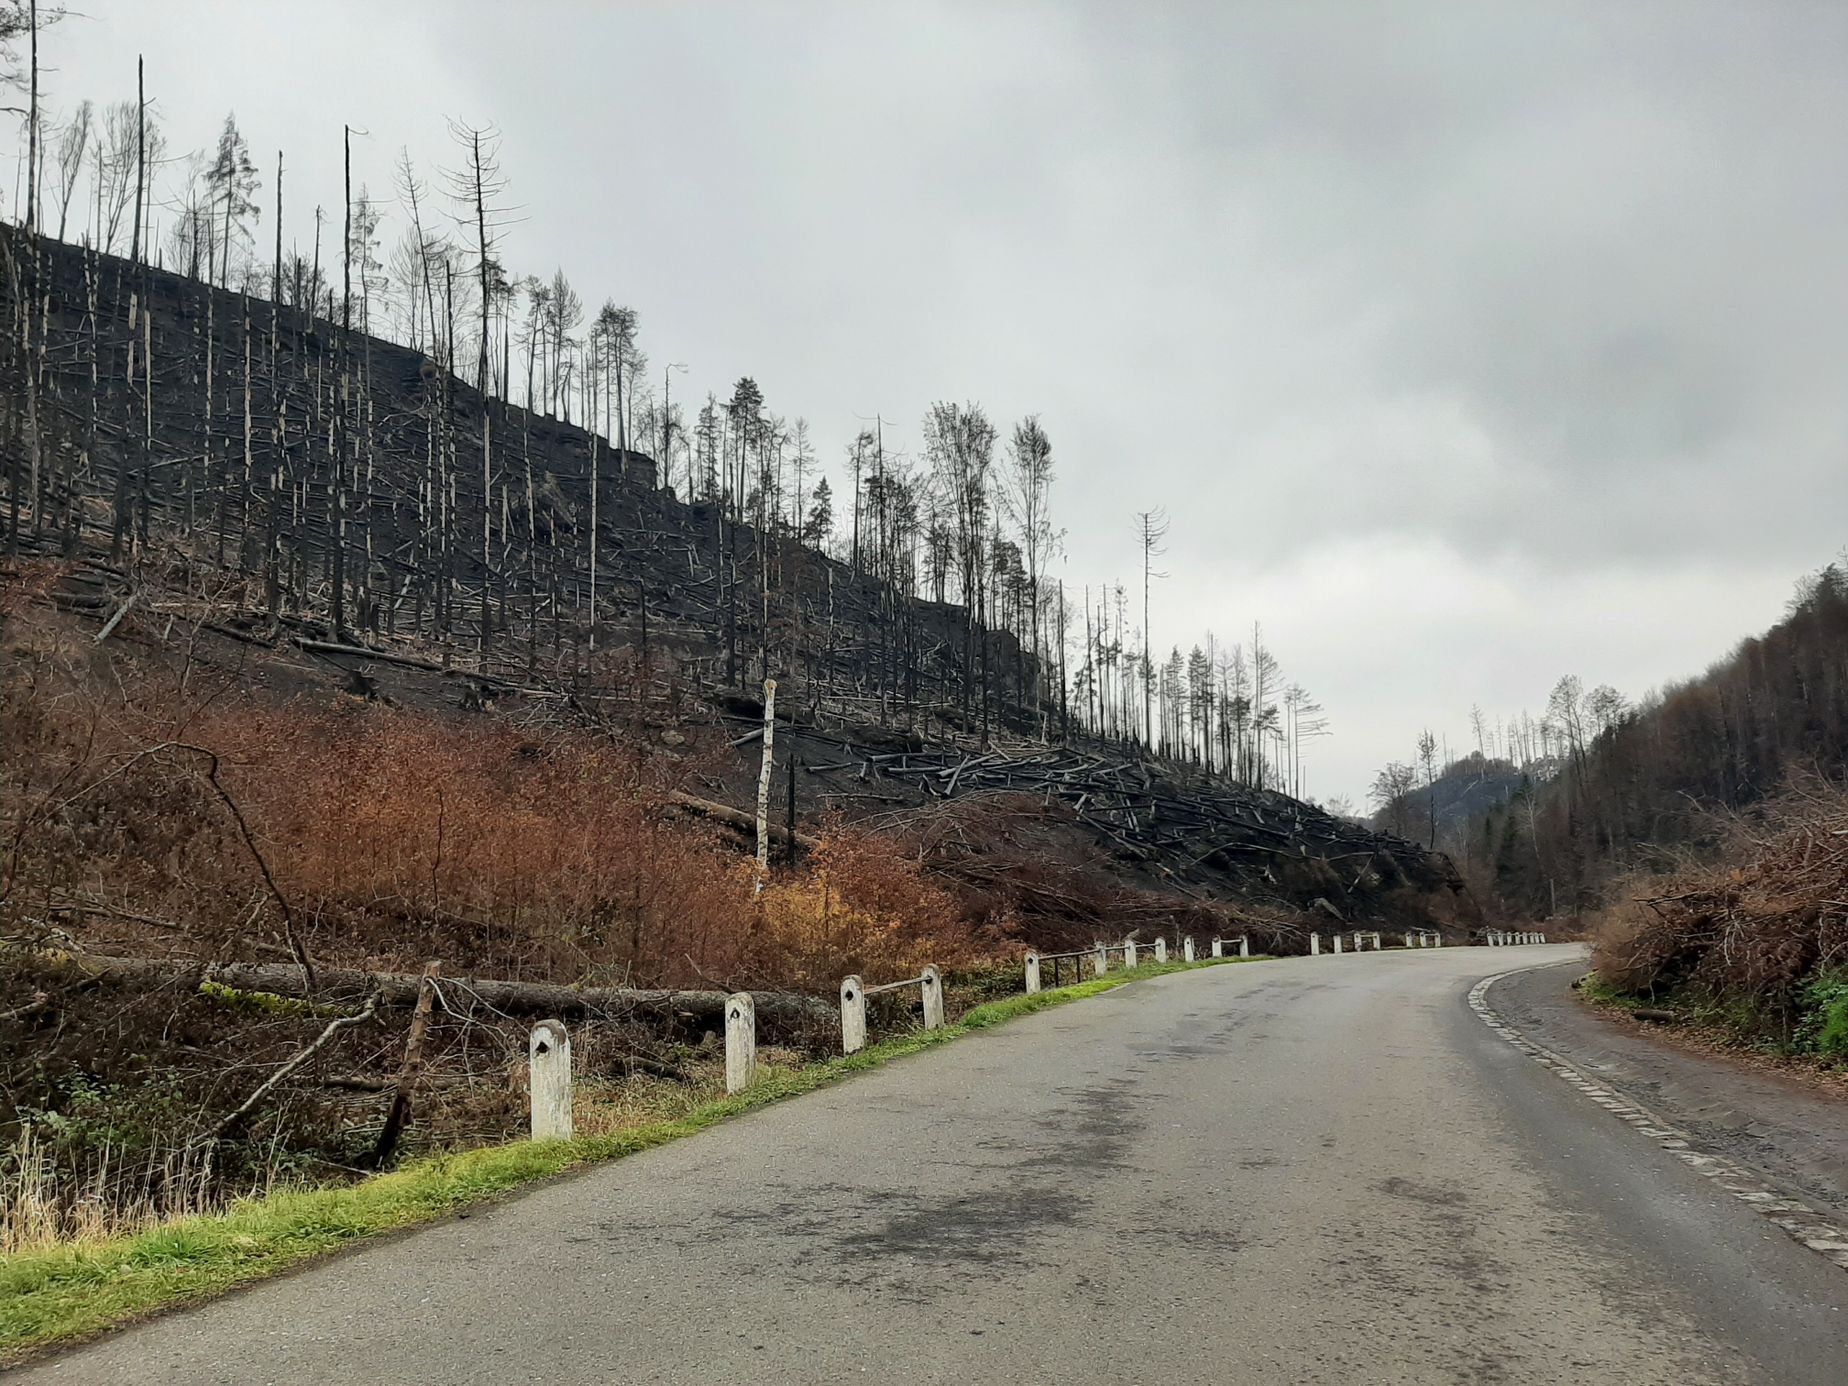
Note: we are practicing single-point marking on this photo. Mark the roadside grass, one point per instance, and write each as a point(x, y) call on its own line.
point(1816, 1041)
point(65, 1294)
point(1601, 993)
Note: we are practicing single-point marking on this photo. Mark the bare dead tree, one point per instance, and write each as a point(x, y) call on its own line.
point(1151, 531)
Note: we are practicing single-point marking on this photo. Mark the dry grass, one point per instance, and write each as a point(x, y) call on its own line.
point(46, 1202)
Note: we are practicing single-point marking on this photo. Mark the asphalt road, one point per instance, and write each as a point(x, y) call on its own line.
point(1317, 1170)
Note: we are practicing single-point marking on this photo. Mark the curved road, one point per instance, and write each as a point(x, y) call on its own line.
point(1315, 1170)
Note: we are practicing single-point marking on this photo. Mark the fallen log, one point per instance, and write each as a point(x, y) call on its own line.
point(736, 818)
point(366, 652)
point(459, 994)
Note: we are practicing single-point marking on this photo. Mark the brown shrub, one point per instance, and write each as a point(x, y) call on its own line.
point(862, 908)
point(396, 836)
point(1750, 928)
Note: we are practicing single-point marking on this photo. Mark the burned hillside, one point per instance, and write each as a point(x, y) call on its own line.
point(242, 483)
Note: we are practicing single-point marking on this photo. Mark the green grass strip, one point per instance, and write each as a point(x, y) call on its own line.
point(69, 1293)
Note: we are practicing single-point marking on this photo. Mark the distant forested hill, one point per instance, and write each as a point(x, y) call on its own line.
point(1614, 788)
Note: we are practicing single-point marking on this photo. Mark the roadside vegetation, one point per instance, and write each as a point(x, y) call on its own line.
point(1753, 941)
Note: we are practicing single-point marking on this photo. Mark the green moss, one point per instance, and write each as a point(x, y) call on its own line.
point(261, 1002)
point(73, 1292)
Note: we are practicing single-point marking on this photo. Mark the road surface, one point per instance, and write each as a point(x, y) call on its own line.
point(1314, 1170)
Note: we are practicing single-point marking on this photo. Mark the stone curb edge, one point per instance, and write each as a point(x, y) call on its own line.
point(1802, 1223)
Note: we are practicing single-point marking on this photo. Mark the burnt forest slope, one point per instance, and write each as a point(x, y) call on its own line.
point(240, 484)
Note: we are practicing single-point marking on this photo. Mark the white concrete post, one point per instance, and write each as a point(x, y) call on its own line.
point(1129, 952)
point(933, 999)
point(1337, 943)
point(1033, 982)
point(853, 1016)
point(1437, 940)
point(1100, 959)
point(1161, 950)
point(1315, 945)
point(1219, 948)
point(1244, 945)
point(548, 1066)
point(1187, 949)
point(740, 1041)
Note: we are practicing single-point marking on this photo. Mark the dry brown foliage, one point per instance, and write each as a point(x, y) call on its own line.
point(1751, 928)
point(383, 837)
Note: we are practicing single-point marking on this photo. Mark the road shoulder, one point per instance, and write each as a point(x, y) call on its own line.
point(1795, 1133)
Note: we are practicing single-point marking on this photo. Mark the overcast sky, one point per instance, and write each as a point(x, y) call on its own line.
point(1468, 343)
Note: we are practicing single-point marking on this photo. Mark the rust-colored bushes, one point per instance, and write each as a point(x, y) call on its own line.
point(1751, 931)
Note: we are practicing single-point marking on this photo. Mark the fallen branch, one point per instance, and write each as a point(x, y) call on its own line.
point(737, 818)
point(268, 1085)
point(410, 1070)
point(116, 620)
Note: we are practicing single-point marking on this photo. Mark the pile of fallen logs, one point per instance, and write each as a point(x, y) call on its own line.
point(1142, 814)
